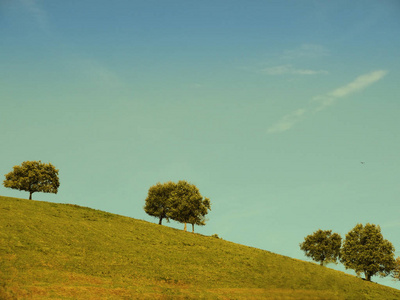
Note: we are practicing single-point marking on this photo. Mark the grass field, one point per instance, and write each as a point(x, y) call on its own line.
point(62, 251)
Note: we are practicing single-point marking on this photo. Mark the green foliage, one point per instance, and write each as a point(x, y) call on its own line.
point(396, 270)
point(157, 203)
point(188, 205)
point(33, 176)
point(322, 246)
point(71, 252)
point(366, 251)
point(181, 202)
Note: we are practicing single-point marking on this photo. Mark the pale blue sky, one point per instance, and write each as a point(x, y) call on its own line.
point(269, 107)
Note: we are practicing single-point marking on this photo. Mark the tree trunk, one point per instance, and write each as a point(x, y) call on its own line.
point(185, 226)
point(368, 276)
point(30, 195)
point(192, 228)
point(321, 263)
point(159, 223)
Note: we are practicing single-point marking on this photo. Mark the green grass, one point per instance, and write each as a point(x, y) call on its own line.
point(61, 251)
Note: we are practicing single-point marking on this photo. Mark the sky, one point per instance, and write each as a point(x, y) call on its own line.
point(284, 113)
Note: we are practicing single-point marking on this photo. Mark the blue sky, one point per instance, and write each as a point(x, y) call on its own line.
point(269, 107)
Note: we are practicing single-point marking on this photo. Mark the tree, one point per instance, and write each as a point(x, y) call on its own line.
point(200, 211)
point(33, 176)
point(188, 205)
point(366, 251)
point(158, 200)
point(322, 246)
point(396, 270)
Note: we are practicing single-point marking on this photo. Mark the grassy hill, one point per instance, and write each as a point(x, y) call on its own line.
point(62, 251)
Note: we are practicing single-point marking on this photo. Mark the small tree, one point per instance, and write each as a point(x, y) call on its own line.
point(322, 246)
point(33, 176)
point(158, 200)
point(200, 212)
point(188, 205)
point(366, 251)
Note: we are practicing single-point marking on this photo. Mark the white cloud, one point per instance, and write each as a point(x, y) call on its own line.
point(287, 60)
point(287, 121)
point(289, 69)
point(359, 83)
point(321, 102)
point(356, 85)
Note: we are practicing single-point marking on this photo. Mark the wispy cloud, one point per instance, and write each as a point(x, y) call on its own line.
point(289, 59)
point(356, 85)
point(359, 83)
point(287, 121)
point(321, 102)
point(289, 69)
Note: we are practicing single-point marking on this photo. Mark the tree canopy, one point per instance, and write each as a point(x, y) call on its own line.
point(366, 251)
point(188, 205)
point(158, 200)
point(33, 176)
point(181, 202)
point(322, 246)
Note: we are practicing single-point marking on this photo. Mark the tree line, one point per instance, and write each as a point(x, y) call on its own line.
point(364, 250)
point(181, 202)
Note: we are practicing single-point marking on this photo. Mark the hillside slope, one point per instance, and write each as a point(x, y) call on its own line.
point(61, 251)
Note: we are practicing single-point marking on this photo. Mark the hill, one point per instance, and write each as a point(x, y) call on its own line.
point(62, 251)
